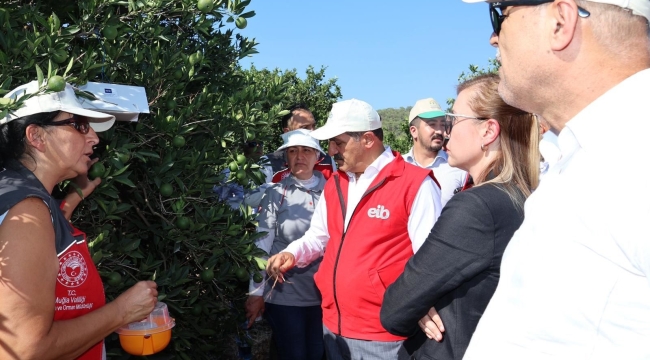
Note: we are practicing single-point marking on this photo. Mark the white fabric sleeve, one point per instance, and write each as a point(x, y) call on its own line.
point(254, 198)
point(424, 212)
point(265, 243)
point(312, 245)
point(268, 173)
point(266, 168)
point(449, 184)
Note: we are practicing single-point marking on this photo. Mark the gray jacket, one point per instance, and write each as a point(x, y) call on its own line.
point(286, 209)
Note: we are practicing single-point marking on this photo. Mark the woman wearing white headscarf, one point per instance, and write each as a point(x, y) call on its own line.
point(294, 307)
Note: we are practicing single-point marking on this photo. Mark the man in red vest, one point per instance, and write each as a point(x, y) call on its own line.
point(375, 212)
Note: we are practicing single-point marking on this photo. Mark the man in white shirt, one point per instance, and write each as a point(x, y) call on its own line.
point(374, 213)
point(575, 278)
point(427, 126)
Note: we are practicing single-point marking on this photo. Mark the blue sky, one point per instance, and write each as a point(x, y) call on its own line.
point(388, 53)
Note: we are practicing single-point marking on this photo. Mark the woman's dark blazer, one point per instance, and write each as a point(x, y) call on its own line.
point(456, 271)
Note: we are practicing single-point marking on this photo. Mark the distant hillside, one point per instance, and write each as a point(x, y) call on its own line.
point(394, 120)
point(396, 129)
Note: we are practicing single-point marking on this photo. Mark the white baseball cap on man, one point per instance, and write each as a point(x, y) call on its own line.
point(300, 137)
point(65, 100)
point(638, 7)
point(348, 116)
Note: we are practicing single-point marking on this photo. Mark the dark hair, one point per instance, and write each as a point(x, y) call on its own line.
point(285, 119)
point(12, 136)
point(379, 133)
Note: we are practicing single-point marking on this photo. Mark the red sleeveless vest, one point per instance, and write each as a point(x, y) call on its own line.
point(79, 288)
point(359, 263)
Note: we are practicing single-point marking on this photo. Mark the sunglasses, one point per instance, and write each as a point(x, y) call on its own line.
point(80, 123)
point(497, 17)
point(452, 119)
point(254, 144)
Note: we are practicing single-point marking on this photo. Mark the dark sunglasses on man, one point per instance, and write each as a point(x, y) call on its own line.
point(497, 8)
point(80, 123)
point(254, 144)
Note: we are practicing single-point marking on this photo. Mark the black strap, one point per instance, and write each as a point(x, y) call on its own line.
point(341, 199)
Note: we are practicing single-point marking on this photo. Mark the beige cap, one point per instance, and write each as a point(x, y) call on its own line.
point(426, 109)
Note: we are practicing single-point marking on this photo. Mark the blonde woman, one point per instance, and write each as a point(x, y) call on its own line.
point(447, 284)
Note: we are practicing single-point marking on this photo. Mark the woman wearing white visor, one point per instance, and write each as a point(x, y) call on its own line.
point(52, 299)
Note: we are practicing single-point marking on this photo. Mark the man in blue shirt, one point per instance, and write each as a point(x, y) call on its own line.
point(427, 126)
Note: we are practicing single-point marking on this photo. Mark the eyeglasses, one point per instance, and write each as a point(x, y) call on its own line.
point(452, 119)
point(254, 144)
point(497, 17)
point(80, 123)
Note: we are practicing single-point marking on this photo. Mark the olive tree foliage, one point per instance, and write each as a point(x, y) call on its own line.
point(155, 215)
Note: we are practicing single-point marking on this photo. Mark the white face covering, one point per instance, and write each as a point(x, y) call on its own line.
point(309, 183)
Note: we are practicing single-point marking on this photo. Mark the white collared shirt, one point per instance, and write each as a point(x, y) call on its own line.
point(424, 213)
point(575, 278)
point(450, 178)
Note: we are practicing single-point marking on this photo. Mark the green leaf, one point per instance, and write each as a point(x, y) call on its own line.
point(120, 171)
point(69, 67)
point(125, 180)
point(148, 153)
point(39, 75)
point(70, 30)
point(136, 255)
point(261, 263)
point(6, 85)
point(131, 246)
point(96, 66)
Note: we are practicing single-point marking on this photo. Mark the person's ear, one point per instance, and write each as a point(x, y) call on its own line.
point(490, 131)
point(563, 22)
point(368, 138)
point(35, 137)
point(414, 131)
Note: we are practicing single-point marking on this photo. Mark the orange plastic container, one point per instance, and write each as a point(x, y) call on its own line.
point(150, 335)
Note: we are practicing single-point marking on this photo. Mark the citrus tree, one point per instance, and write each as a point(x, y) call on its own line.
point(312, 90)
point(155, 215)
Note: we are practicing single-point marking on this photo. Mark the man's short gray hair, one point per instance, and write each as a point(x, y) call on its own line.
point(617, 29)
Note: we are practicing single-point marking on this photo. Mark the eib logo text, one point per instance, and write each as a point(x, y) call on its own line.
point(380, 212)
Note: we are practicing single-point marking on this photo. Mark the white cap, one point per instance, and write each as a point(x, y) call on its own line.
point(348, 116)
point(65, 100)
point(300, 137)
point(638, 7)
